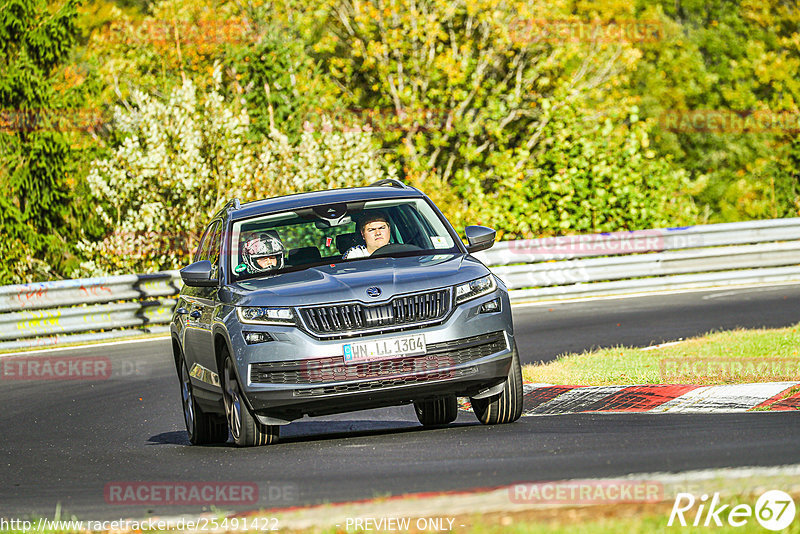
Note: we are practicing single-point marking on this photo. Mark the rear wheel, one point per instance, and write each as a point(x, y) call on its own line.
point(437, 411)
point(245, 429)
point(505, 407)
point(203, 428)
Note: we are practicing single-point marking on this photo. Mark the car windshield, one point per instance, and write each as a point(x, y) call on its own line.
point(294, 240)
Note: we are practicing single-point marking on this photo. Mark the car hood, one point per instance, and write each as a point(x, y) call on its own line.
point(348, 281)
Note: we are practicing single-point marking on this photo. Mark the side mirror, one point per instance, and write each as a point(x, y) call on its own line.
point(199, 274)
point(479, 238)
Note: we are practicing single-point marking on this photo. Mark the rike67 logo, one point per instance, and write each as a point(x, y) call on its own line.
point(774, 510)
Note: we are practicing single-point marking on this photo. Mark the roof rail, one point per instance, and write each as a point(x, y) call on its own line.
point(390, 182)
point(233, 204)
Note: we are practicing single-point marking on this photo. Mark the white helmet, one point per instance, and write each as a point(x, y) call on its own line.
point(260, 247)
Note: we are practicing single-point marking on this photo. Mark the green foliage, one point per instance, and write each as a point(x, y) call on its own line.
point(276, 74)
point(179, 159)
point(35, 40)
point(502, 123)
point(734, 55)
point(591, 177)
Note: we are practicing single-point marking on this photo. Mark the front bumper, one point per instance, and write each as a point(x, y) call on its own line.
point(297, 374)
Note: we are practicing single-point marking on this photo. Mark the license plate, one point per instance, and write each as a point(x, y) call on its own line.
point(383, 349)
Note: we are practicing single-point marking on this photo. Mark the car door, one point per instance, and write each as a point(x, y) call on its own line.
point(201, 303)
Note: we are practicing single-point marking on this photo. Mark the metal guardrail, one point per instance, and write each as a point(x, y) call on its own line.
point(640, 241)
point(46, 313)
point(534, 270)
point(615, 263)
point(62, 293)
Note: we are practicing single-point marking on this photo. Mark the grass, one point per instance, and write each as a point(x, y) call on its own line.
point(637, 518)
point(628, 518)
point(488, 513)
point(730, 357)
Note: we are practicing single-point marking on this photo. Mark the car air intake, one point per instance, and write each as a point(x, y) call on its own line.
point(421, 308)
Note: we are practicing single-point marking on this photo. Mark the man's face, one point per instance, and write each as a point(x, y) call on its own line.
point(376, 234)
point(267, 262)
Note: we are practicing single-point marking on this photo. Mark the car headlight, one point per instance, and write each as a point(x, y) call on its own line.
point(475, 288)
point(264, 315)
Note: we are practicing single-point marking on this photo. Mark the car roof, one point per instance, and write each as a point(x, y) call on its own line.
point(317, 198)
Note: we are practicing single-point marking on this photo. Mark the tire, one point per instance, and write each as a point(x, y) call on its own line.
point(246, 431)
point(203, 428)
point(505, 407)
point(437, 411)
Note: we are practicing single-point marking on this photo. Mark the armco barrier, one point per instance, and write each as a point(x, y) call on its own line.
point(615, 263)
point(566, 267)
point(62, 293)
point(51, 313)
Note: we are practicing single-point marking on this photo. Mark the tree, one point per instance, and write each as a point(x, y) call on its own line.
point(472, 98)
point(738, 58)
point(35, 42)
point(180, 158)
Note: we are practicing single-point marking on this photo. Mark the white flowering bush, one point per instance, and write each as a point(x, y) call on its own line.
point(321, 160)
point(181, 159)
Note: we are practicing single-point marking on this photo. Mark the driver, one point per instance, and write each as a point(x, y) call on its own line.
point(263, 252)
point(376, 231)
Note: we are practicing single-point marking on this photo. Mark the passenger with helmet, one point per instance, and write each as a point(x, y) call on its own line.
point(263, 252)
point(376, 231)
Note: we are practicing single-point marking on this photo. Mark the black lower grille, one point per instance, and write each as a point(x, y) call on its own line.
point(354, 317)
point(386, 383)
point(325, 370)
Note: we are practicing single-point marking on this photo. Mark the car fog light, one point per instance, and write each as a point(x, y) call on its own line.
point(251, 338)
point(491, 306)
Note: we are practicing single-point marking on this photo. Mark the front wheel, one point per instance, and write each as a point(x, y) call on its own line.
point(246, 431)
point(437, 411)
point(505, 407)
point(203, 428)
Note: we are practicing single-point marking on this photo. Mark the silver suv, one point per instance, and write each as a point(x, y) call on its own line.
point(341, 300)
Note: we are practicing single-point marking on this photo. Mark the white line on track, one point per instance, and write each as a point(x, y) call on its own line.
point(730, 290)
point(660, 345)
point(86, 346)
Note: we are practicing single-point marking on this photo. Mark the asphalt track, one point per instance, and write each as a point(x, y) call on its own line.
point(64, 442)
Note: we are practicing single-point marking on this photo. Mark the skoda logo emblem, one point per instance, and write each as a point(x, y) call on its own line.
point(374, 291)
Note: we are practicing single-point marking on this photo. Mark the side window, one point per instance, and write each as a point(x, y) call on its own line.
point(214, 245)
point(198, 255)
point(209, 243)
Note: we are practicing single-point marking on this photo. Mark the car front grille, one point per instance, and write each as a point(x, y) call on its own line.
point(444, 355)
point(422, 308)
